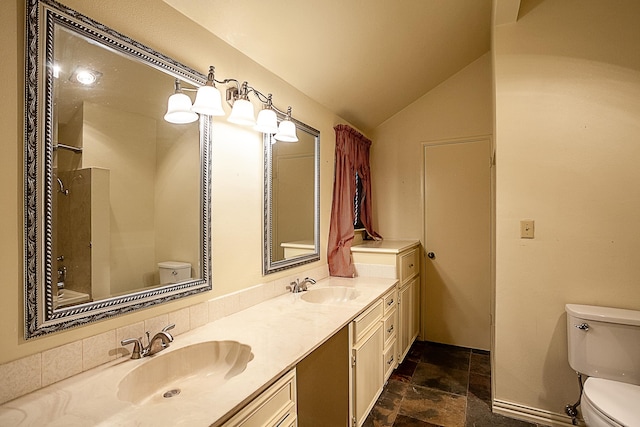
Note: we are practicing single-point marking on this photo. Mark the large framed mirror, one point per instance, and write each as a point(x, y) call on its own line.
point(117, 200)
point(291, 200)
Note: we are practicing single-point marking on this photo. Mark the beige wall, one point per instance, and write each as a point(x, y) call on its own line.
point(567, 78)
point(236, 160)
point(125, 144)
point(459, 107)
point(177, 197)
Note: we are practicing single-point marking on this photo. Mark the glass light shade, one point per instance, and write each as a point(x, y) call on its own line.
point(287, 132)
point(179, 109)
point(208, 102)
point(242, 113)
point(267, 121)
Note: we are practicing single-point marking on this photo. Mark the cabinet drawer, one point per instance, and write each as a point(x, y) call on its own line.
point(366, 320)
point(389, 360)
point(409, 265)
point(275, 407)
point(390, 327)
point(390, 301)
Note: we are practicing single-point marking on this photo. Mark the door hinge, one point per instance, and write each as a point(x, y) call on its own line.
point(353, 360)
point(354, 422)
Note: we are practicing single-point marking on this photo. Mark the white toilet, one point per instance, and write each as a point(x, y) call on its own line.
point(174, 272)
point(604, 343)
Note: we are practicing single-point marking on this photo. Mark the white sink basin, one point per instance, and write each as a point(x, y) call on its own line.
point(330, 295)
point(182, 372)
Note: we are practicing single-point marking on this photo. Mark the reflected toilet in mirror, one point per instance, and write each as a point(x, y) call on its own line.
point(174, 272)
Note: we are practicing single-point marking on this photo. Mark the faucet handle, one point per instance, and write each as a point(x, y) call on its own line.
point(166, 330)
point(294, 286)
point(137, 346)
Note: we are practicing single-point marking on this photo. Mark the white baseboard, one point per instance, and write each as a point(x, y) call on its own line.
point(533, 415)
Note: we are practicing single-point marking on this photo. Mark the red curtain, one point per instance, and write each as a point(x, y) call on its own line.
point(352, 155)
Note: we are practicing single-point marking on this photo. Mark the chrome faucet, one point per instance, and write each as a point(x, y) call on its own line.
point(62, 275)
point(297, 286)
point(159, 342)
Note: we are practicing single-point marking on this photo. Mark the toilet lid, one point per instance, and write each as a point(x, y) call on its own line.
point(618, 401)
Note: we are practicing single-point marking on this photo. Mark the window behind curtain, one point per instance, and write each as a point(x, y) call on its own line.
point(357, 204)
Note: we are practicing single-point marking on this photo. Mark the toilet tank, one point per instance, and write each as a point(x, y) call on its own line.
point(174, 271)
point(604, 342)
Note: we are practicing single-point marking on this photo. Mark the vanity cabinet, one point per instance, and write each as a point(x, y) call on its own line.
point(275, 407)
point(367, 380)
point(399, 259)
point(373, 353)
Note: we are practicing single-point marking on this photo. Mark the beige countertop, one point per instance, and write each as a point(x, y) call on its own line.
point(281, 332)
point(384, 246)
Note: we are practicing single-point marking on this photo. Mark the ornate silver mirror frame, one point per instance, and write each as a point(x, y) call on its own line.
point(309, 197)
point(41, 317)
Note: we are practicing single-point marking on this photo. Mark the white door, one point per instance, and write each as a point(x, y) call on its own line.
point(457, 185)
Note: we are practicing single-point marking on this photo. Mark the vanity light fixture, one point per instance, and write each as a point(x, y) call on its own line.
point(208, 99)
point(242, 112)
point(287, 129)
point(208, 102)
point(267, 119)
point(179, 107)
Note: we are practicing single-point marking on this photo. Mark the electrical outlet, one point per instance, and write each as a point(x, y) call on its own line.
point(527, 228)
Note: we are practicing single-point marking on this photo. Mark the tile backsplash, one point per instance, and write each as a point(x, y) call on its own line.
point(39, 370)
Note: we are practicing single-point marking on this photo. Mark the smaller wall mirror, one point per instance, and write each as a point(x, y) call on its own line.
point(291, 200)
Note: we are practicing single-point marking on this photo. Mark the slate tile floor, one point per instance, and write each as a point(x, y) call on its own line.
point(439, 385)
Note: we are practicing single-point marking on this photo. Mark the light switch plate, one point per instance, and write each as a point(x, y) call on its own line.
point(527, 228)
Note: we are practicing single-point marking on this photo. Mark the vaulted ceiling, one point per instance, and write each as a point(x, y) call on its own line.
point(365, 60)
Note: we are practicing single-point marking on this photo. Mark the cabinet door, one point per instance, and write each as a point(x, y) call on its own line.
point(415, 310)
point(367, 372)
point(404, 319)
point(409, 314)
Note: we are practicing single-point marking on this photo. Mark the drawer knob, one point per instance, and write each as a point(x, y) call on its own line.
point(390, 329)
point(390, 303)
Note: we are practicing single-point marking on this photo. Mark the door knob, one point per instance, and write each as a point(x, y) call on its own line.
point(431, 255)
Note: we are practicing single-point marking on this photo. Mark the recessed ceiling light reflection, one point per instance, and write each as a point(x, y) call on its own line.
point(85, 76)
